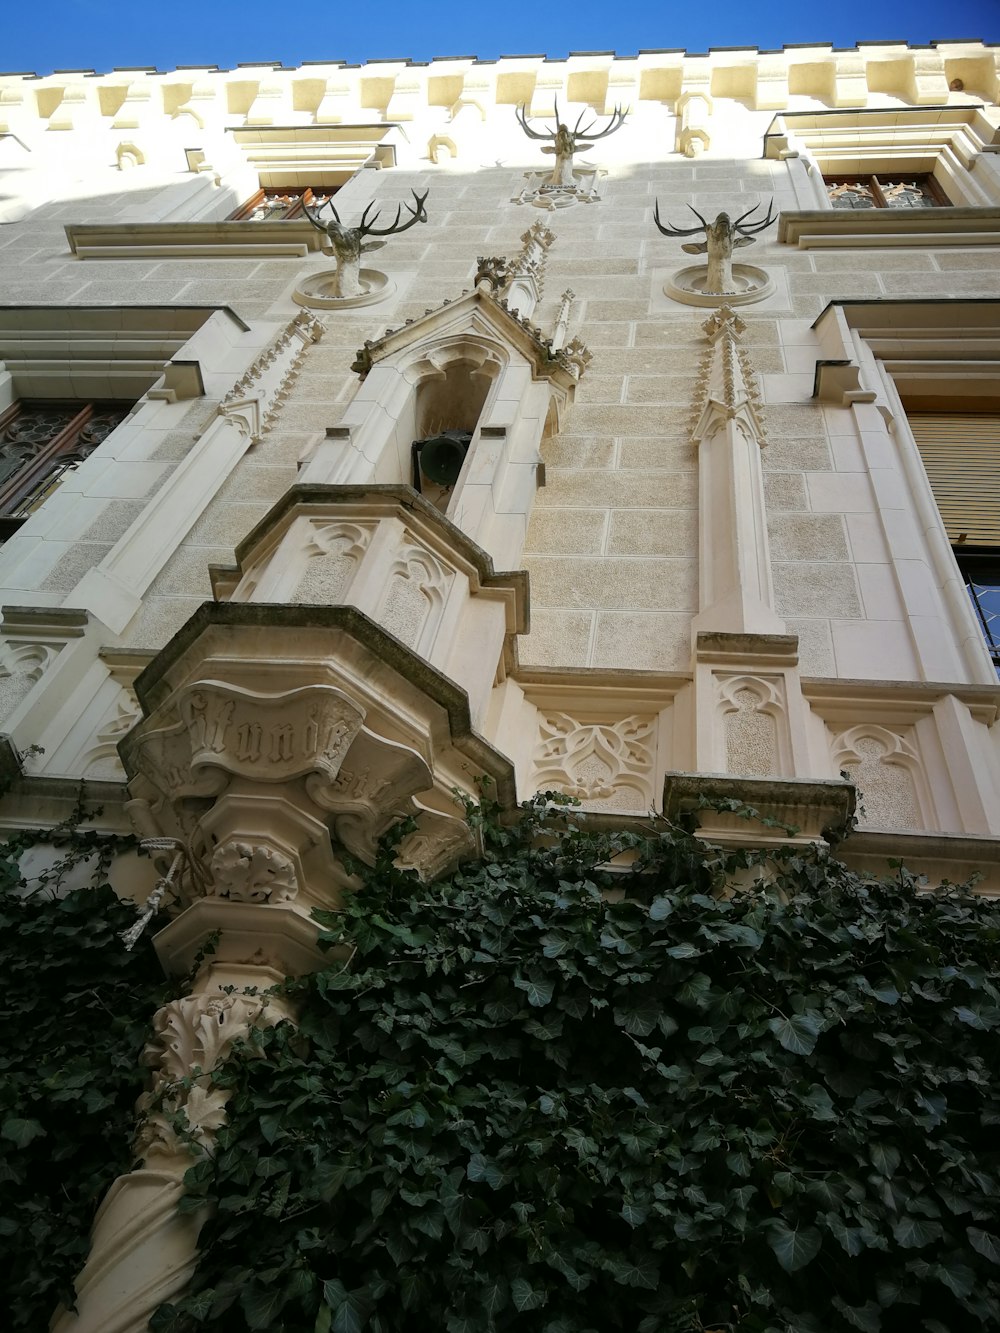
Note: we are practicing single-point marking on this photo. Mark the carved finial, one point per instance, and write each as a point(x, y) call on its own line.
point(492, 271)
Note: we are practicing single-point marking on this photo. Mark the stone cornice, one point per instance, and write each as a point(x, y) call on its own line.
point(915, 72)
point(841, 228)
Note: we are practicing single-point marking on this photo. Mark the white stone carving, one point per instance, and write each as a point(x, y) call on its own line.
point(101, 759)
point(526, 280)
point(333, 551)
point(886, 769)
point(222, 728)
point(720, 280)
point(749, 705)
point(183, 1110)
point(727, 388)
point(252, 873)
point(605, 765)
point(348, 284)
point(415, 595)
point(255, 397)
point(564, 142)
point(22, 665)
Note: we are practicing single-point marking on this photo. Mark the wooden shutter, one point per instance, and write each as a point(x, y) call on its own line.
point(962, 456)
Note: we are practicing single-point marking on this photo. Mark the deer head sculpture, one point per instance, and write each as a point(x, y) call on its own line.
point(566, 141)
point(722, 237)
point(349, 242)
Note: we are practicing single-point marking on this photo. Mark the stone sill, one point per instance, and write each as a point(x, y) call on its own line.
point(833, 228)
point(198, 240)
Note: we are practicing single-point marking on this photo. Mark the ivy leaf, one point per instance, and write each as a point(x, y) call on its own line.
point(794, 1246)
point(538, 990)
point(798, 1033)
point(633, 1214)
point(913, 1233)
point(983, 1243)
point(481, 1168)
point(261, 1304)
point(639, 1272)
point(525, 1296)
point(351, 1309)
point(21, 1132)
point(885, 1158)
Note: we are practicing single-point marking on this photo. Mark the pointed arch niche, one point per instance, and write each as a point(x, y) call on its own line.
point(471, 365)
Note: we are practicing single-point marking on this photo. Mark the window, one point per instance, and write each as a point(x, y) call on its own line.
point(961, 454)
point(981, 571)
point(885, 191)
point(282, 203)
point(42, 441)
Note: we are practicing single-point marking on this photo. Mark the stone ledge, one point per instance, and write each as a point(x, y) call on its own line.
point(841, 228)
point(812, 807)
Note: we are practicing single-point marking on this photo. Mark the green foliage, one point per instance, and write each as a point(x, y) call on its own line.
point(73, 1018)
point(550, 1098)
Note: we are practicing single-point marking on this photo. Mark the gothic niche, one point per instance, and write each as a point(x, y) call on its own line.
point(751, 729)
point(884, 767)
point(447, 408)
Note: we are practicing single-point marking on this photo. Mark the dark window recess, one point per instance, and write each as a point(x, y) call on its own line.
point(40, 442)
point(981, 572)
point(282, 204)
point(885, 191)
point(439, 458)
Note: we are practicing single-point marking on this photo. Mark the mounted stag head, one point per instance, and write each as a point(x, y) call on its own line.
point(566, 141)
point(722, 237)
point(349, 243)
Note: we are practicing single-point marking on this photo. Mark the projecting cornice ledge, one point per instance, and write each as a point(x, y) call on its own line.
point(833, 228)
point(192, 240)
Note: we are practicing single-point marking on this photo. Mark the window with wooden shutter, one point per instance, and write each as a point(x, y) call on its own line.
point(961, 453)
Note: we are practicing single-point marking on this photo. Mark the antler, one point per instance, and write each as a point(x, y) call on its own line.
point(328, 203)
point(615, 123)
point(417, 214)
point(752, 228)
point(522, 119)
point(680, 231)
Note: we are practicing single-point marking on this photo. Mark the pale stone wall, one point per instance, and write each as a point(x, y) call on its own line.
point(618, 540)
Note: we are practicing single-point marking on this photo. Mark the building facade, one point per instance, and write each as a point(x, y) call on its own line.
point(366, 432)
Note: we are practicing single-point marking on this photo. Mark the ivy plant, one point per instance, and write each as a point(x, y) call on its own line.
point(554, 1095)
point(74, 1013)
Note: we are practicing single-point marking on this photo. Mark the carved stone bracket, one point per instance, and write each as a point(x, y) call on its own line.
point(267, 787)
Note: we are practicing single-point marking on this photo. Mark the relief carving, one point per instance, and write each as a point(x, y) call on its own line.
point(414, 596)
point(751, 732)
point(273, 737)
point(607, 766)
point(334, 551)
point(183, 1110)
point(22, 665)
point(883, 765)
point(252, 873)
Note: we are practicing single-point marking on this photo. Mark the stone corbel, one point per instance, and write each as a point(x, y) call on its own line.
point(693, 111)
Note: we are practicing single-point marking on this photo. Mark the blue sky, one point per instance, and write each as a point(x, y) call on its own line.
point(102, 34)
